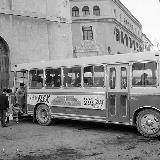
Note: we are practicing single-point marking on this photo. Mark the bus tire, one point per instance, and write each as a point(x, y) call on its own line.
point(148, 123)
point(43, 115)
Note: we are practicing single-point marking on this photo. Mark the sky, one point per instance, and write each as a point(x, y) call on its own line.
point(147, 12)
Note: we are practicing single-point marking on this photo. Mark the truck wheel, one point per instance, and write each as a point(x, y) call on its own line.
point(43, 115)
point(148, 123)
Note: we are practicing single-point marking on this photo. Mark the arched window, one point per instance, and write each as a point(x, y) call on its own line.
point(75, 11)
point(126, 38)
point(137, 46)
point(130, 42)
point(85, 10)
point(96, 11)
point(122, 38)
point(117, 32)
point(134, 44)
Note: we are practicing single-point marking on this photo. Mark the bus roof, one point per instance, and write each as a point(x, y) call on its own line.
point(105, 59)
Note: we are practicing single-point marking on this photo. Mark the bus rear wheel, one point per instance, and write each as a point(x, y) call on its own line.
point(148, 123)
point(43, 115)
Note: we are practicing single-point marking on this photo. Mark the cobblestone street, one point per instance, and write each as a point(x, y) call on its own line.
point(72, 140)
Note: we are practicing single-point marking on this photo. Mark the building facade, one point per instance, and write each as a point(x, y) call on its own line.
point(102, 27)
point(33, 30)
point(147, 44)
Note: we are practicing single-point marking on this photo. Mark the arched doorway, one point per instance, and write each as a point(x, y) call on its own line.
point(4, 64)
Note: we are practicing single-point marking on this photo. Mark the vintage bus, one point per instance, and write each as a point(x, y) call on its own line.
point(121, 89)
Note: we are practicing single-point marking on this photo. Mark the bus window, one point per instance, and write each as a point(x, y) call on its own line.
point(53, 77)
point(76, 76)
point(21, 77)
point(49, 77)
point(72, 77)
point(36, 78)
point(144, 74)
point(123, 103)
point(112, 105)
point(57, 77)
point(123, 78)
point(112, 78)
point(98, 79)
point(88, 76)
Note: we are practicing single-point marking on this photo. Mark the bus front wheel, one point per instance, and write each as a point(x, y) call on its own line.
point(43, 115)
point(148, 123)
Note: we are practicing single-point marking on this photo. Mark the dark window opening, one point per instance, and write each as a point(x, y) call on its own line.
point(96, 11)
point(75, 11)
point(122, 39)
point(85, 10)
point(87, 33)
point(112, 105)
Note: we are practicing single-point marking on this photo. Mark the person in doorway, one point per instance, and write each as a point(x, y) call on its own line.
point(4, 105)
point(20, 96)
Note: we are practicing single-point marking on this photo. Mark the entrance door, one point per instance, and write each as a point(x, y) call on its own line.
point(117, 95)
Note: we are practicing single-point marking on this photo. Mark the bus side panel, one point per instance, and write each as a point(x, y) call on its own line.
point(79, 111)
point(83, 105)
point(30, 109)
point(139, 101)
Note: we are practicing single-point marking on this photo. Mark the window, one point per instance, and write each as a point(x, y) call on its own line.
point(137, 46)
point(96, 11)
point(98, 79)
point(123, 78)
point(117, 34)
point(112, 78)
point(36, 78)
point(126, 38)
point(75, 11)
point(123, 103)
point(109, 49)
point(140, 48)
point(112, 105)
point(134, 44)
point(122, 38)
point(21, 77)
point(88, 76)
point(144, 74)
point(115, 13)
point(85, 10)
point(53, 77)
point(120, 18)
point(130, 42)
point(87, 33)
point(93, 76)
point(72, 77)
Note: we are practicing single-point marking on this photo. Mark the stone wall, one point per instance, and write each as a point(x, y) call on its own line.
point(34, 31)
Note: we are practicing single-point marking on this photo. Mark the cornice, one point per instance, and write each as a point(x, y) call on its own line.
point(33, 15)
point(127, 12)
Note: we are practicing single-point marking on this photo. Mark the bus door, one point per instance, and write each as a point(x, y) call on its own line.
point(117, 93)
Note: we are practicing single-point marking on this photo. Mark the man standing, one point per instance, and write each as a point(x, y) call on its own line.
point(20, 96)
point(4, 105)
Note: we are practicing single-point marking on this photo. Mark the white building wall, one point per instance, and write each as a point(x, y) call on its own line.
point(112, 15)
point(36, 29)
